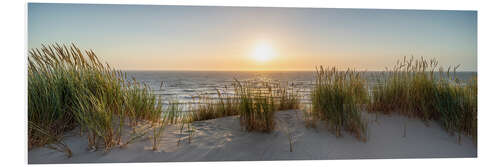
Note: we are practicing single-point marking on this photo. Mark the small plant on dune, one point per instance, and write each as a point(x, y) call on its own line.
point(256, 105)
point(290, 139)
point(226, 105)
point(134, 136)
point(289, 98)
point(286, 127)
point(309, 118)
point(185, 125)
point(336, 97)
point(191, 130)
point(413, 88)
point(205, 108)
point(169, 116)
point(54, 142)
point(181, 132)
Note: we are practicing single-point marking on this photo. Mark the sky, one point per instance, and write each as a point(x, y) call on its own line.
point(160, 37)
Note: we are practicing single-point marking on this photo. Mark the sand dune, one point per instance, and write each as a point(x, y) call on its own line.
point(223, 140)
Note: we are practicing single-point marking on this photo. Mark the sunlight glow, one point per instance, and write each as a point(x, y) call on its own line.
point(263, 52)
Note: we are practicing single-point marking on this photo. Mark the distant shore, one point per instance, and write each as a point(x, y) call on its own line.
point(222, 139)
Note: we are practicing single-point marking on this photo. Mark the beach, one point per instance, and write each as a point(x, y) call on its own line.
point(172, 83)
point(223, 139)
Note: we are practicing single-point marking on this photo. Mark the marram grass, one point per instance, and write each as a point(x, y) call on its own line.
point(171, 116)
point(419, 88)
point(289, 97)
point(336, 99)
point(68, 88)
point(256, 105)
point(224, 105)
point(205, 108)
point(257, 102)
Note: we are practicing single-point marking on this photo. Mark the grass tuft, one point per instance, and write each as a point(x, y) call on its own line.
point(256, 105)
point(413, 87)
point(283, 98)
point(336, 97)
point(205, 108)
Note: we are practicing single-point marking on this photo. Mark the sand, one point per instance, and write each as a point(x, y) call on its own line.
point(223, 140)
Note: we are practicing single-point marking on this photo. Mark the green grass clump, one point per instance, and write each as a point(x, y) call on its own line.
point(141, 103)
point(414, 88)
point(288, 98)
point(456, 107)
point(69, 88)
point(408, 88)
point(205, 108)
point(256, 105)
point(336, 97)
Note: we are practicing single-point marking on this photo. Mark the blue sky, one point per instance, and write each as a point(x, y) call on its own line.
point(158, 37)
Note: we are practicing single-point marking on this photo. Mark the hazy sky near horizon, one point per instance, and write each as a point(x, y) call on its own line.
point(159, 37)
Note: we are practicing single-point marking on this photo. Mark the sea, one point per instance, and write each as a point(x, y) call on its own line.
point(185, 86)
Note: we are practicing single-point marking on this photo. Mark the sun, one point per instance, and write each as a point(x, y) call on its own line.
point(263, 52)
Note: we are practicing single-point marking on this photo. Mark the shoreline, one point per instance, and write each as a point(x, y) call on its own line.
point(222, 139)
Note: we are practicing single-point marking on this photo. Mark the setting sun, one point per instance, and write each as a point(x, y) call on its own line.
point(263, 52)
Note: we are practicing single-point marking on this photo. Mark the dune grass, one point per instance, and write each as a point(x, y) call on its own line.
point(336, 99)
point(169, 117)
point(308, 117)
point(69, 88)
point(288, 97)
point(53, 143)
point(256, 105)
point(419, 88)
point(204, 108)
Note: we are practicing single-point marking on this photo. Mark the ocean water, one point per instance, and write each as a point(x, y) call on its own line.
point(183, 86)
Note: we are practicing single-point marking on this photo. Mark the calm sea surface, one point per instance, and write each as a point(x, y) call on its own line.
point(184, 85)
